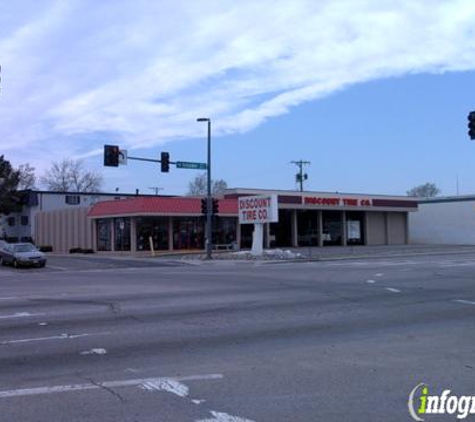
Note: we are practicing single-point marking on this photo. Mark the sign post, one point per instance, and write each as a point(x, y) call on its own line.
point(258, 210)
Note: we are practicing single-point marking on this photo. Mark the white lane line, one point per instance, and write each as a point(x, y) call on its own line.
point(370, 281)
point(465, 302)
point(9, 298)
point(198, 402)
point(224, 417)
point(94, 352)
point(379, 275)
point(390, 289)
point(107, 384)
point(60, 337)
point(459, 264)
point(171, 386)
point(19, 315)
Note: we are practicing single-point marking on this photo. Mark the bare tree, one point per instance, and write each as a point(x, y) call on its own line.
point(27, 177)
point(427, 190)
point(70, 176)
point(199, 186)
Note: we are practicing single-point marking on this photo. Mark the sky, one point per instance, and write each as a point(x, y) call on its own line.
point(374, 93)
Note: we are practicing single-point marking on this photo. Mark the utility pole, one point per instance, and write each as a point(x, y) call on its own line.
point(300, 176)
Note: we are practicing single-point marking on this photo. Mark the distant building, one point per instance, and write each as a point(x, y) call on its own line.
point(124, 222)
point(444, 221)
point(305, 219)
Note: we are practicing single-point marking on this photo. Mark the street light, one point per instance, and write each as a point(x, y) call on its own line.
point(209, 229)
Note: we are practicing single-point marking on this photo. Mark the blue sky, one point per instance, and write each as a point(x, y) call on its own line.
point(375, 94)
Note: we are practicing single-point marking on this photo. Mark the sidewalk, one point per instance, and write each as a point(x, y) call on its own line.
point(306, 254)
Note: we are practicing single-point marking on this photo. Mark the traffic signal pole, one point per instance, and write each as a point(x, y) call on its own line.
point(209, 210)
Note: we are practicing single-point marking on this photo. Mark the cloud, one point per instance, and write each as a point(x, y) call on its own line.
point(141, 72)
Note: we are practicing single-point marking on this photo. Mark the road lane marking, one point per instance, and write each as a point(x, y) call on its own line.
point(465, 302)
point(94, 352)
point(170, 386)
point(19, 315)
point(108, 384)
point(390, 289)
point(60, 337)
point(198, 402)
point(379, 275)
point(224, 417)
point(9, 298)
point(370, 281)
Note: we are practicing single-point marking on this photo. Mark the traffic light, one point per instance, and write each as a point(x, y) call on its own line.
point(471, 125)
point(111, 155)
point(204, 206)
point(165, 162)
point(215, 206)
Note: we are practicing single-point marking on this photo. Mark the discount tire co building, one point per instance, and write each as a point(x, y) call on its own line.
point(305, 219)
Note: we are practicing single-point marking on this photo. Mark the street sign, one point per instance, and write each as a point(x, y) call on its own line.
point(122, 157)
point(191, 165)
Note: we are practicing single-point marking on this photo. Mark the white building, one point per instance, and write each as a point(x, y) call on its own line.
point(444, 221)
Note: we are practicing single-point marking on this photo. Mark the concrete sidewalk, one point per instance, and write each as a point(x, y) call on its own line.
point(306, 254)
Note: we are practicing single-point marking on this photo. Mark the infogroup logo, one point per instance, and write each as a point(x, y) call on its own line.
point(420, 404)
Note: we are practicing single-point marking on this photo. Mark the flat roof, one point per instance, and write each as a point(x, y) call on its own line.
point(441, 199)
point(230, 191)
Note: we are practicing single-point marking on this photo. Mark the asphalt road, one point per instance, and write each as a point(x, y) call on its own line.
point(99, 339)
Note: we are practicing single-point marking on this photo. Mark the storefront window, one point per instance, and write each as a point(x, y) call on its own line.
point(188, 233)
point(103, 228)
point(355, 228)
point(281, 232)
point(154, 228)
point(307, 228)
point(224, 230)
point(332, 228)
point(122, 234)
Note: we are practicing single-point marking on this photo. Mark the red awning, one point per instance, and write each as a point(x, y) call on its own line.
point(158, 205)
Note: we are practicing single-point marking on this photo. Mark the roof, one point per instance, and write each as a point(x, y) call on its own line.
point(158, 205)
point(441, 199)
point(251, 191)
point(114, 194)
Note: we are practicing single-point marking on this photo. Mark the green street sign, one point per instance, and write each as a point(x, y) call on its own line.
point(191, 165)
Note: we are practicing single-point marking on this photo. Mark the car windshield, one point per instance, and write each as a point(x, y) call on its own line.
point(24, 248)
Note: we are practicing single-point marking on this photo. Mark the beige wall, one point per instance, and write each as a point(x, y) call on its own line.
point(64, 229)
point(397, 228)
point(387, 228)
point(376, 228)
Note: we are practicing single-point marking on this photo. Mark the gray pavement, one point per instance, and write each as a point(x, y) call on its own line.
point(130, 339)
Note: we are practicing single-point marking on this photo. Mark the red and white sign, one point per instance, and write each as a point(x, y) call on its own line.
point(338, 201)
point(258, 209)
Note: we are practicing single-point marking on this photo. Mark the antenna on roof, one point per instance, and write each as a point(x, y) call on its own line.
point(156, 189)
